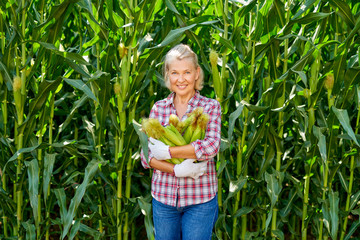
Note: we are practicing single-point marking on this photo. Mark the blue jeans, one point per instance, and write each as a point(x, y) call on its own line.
point(190, 222)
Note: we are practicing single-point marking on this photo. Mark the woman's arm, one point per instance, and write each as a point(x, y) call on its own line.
point(162, 165)
point(186, 151)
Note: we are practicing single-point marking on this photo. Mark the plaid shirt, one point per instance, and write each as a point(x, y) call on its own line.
point(181, 192)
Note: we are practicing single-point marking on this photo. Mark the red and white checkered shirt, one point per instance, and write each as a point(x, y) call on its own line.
point(181, 192)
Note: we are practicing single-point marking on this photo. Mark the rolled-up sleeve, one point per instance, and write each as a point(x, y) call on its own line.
point(208, 147)
point(144, 161)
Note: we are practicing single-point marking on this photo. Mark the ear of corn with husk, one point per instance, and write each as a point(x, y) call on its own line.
point(178, 133)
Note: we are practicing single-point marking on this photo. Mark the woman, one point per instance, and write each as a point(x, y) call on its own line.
point(184, 195)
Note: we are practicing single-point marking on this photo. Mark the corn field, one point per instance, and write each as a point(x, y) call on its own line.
point(78, 76)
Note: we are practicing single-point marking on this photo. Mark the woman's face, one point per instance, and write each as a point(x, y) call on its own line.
point(182, 76)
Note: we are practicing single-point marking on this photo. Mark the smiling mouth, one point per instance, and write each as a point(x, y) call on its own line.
point(182, 86)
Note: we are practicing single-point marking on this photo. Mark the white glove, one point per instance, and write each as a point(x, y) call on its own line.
point(190, 169)
point(159, 150)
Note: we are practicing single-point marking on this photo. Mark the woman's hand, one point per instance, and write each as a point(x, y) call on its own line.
point(190, 169)
point(159, 150)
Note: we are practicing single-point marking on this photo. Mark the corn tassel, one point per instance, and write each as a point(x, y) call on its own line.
point(173, 120)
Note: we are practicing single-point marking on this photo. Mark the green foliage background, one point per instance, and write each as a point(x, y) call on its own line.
point(287, 77)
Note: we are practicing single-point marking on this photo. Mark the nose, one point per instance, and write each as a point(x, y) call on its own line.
point(181, 78)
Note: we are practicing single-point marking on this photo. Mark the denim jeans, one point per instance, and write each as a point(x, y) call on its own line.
point(190, 222)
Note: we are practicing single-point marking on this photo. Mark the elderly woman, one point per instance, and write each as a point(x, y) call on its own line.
point(184, 195)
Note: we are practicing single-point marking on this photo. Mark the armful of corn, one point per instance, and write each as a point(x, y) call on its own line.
point(178, 133)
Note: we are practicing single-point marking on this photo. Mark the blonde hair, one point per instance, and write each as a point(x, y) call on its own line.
point(180, 52)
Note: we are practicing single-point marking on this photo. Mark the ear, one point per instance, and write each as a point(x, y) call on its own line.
point(197, 73)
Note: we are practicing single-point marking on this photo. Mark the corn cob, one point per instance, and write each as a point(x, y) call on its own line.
point(183, 125)
point(17, 94)
point(201, 125)
point(216, 75)
point(153, 128)
point(189, 131)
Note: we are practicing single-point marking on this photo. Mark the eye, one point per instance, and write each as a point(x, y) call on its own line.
point(173, 73)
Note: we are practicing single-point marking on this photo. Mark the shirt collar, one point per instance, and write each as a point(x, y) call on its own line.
point(193, 100)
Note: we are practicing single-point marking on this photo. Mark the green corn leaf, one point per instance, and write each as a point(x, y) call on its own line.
point(321, 143)
point(272, 56)
point(79, 84)
point(86, 5)
point(104, 100)
point(77, 105)
point(143, 139)
point(344, 12)
point(259, 134)
point(70, 179)
point(278, 234)
point(235, 187)
point(49, 161)
point(339, 69)
point(220, 223)
point(92, 41)
point(90, 127)
point(61, 200)
point(79, 68)
point(33, 179)
point(273, 190)
point(352, 230)
point(284, 212)
point(171, 6)
point(269, 156)
point(26, 150)
point(67, 55)
point(280, 10)
point(303, 8)
point(312, 17)
point(44, 90)
point(260, 49)
point(146, 210)
point(91, 232)
point(334, 213)
point(254, 108)
point(343, 118)
point(358, 96)
point(251, 235)
point(245, 9)
point(299, 65)
point(273, 187)
point(75, 229)
point(90, 172)
point(354, 200)
point(232, 118)
point(352, 77)
point(225, 42)
point(221, 167)
point(343, 181)
point(174, 36)
point(243, 211)
point(30, 230)
point(5, 73)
